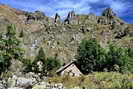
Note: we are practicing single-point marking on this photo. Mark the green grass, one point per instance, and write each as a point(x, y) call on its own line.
point(98, 80)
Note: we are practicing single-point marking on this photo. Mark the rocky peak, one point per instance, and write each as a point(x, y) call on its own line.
point(109, 17)
point(37, 15)
point(108, 13)
point(57, 18)
point(70, 18)
point(71, 14)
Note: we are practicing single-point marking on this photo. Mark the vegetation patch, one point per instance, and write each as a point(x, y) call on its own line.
point(97, 80)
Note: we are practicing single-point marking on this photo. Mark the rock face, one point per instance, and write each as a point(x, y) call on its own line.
point(63, 38)
point(108, 13)
point(57, 18)
point(109, 17)
point(71, 18)
point(37, 15)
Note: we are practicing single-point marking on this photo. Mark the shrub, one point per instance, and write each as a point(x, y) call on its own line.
point(52, 63)
point(39, 64)
point(28, 65)
point(117, 57)
point(21, 34)
point(130, 52)
point(90, 56)
point(9, 48)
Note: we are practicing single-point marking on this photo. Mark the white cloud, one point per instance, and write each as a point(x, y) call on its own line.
point(84, 10)
point(64, 6)
point(119, 6)
point(94, 1)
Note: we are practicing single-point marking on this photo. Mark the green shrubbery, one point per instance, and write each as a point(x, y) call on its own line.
point(92, 57)
point(130, 52)
point(9, 48)
point(39, 58)
point(118, 59)
point(41, 64)
point(52, 63)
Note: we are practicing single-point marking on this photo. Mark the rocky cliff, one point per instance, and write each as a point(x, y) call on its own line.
point(61, 38)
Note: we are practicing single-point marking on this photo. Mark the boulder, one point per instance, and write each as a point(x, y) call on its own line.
point(11, 82)
point(24, 82)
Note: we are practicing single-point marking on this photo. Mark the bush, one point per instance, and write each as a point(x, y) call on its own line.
point(117, 56)
point(10, 48)
point(90, 56)
point(52, 63)
point(28, 65)
point(130, 52)
point(41, 64)
point(38, 65)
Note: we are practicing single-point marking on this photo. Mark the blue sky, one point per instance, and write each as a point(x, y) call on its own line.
point(123, 8)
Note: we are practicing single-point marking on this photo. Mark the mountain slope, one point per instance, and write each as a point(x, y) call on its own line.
point(61, 39)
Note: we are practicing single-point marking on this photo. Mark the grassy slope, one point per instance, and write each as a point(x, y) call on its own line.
point(101, 80)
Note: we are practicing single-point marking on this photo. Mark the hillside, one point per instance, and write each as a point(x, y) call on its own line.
point(61, 38)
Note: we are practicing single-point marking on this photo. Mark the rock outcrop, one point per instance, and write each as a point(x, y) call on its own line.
point(108, 13)
point(109, 17)
point(57, 18)
point(71, 18)
point(63, 38)
point(37, 15)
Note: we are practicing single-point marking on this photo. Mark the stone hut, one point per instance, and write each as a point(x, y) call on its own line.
point(69, 69)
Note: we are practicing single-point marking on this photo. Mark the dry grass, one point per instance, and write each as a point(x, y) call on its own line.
point(101, 80)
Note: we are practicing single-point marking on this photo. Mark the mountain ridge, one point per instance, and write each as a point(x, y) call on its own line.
point(61, 38)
